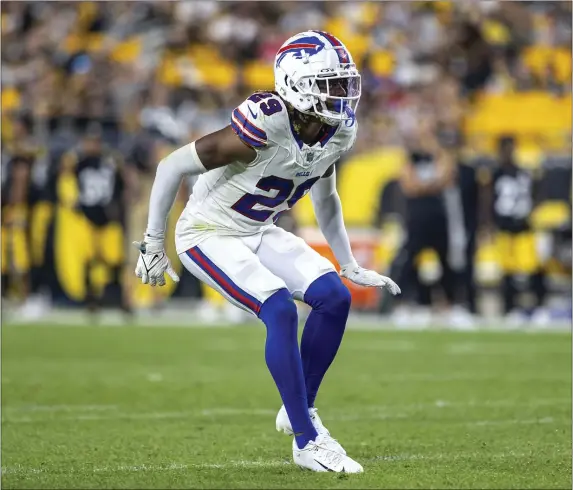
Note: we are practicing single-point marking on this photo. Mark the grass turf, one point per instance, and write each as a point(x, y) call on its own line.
point(166, 407)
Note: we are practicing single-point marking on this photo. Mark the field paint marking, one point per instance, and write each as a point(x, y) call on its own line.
point(499, 349)
point(210, 412)
point(59, 408)
point(543, 420)
point(472, 403)
point(238, 411)
point(20, 470)
point(426, 377)
point(386, 346)
point(363, 412)
point(372, 412)
point(478, 423)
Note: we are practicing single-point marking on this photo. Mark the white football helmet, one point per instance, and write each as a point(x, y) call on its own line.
point(315, 73)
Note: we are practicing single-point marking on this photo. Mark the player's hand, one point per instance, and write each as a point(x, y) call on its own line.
point(153, 263)
point(368, 278)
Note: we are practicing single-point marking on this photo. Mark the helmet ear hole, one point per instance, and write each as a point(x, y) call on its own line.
point(291, 85)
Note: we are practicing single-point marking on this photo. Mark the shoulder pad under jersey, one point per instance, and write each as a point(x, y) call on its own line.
point(261, 120)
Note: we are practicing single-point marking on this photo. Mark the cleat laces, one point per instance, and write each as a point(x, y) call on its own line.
point(327, 454)
point(320, 428)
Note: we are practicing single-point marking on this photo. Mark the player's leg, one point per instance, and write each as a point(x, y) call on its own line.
point(96, 271)
point(230, 266)
point(507, 261)
point(40, 223)
point(20, 250)
point(440, 242)
point(468, 274)
point(4, 264)
point(113, 256)
point(330, 301)
point(313, 279)
point(310, 278)
point(414, 307)
point(530, 265)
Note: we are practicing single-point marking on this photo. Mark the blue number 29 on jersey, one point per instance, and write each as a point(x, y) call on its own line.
point(284, 188)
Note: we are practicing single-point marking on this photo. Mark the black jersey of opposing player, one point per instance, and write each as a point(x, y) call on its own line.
point(512, 198)
point(426, 170)
point(100, 186)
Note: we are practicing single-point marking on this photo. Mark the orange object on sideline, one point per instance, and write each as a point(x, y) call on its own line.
point(364, 246)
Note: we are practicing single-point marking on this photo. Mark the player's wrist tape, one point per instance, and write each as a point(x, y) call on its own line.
point(154, 242)
point(153, 236)
point(152, 245)
point(350, 265)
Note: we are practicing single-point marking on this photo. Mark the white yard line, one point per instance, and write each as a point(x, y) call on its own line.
point(212, 412)
point(21, 470)
point(438, 378)
point(470, 403)
point(59, 408)
point(364, 412)
point(542, 420)
point(501, 349)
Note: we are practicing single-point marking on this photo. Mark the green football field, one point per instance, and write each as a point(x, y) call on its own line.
point(137, 407)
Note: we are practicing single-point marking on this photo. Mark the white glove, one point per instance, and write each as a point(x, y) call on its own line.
point(365, 277)
point(153, 262)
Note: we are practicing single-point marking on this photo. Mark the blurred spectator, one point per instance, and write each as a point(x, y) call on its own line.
point(426, 176)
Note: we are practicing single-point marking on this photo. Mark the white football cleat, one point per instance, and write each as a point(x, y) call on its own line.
point(319, 455)
point(283, 425)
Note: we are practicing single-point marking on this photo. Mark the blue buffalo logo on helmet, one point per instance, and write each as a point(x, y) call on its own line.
point(309, 45)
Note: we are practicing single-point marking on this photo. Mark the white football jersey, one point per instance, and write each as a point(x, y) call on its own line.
point(245, 199)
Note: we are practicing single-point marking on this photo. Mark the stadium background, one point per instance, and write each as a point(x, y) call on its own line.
point(151, 76)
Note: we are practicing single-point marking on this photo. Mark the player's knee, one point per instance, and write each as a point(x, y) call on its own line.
point(328, 292)
point(279, 306)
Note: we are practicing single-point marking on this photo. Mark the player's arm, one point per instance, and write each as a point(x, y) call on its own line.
point(328, 211)
point(129, 177)
point(207, 153)
point(412, 186)
point(67, 190)
point(213, 151)
point(485, 201)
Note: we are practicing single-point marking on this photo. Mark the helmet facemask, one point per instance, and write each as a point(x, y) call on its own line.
point(333, 95)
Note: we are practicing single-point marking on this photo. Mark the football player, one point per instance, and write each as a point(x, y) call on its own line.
point(103, 183)
point(278, 147)
point(513, 201)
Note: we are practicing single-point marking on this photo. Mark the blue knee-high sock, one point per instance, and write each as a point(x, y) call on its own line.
point(322, 335)
point(283, 360)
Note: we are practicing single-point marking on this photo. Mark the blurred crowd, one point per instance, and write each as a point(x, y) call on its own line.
point(137, 64)
point(141, 78)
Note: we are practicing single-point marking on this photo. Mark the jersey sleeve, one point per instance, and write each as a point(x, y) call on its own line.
point(262, 121)
point(248, 125)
